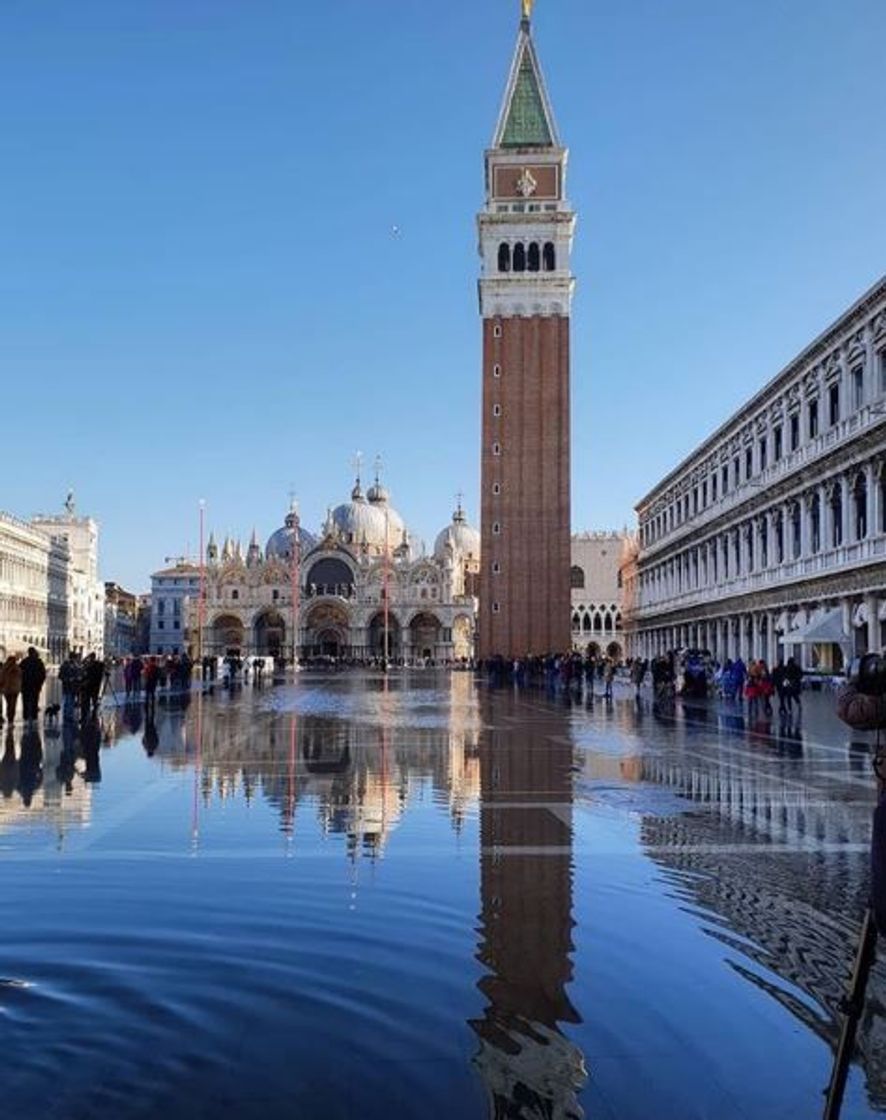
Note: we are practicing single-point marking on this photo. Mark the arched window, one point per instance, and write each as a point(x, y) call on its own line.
point(550, 257)
point(586, 624)
point(795, 530)
point(836, 517)
point(815, 523)
point(519, 257)
point(534, 257)
point(576, 622)
point(576, 578)
point(598, 622)
point(607, 623)
point(860, 502)
point(504, 257)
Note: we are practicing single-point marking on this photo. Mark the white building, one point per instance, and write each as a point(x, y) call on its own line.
point(34, 590)
point(86, 592)
point(597, 593)
point(770, 538)
point(171, 588)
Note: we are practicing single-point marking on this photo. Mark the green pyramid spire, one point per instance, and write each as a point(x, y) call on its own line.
point(526, 123)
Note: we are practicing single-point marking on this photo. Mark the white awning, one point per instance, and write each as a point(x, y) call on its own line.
point(824, 628)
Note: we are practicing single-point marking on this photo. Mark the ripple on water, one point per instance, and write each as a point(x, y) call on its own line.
point(274, 997)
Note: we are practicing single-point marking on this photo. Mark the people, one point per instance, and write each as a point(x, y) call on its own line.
point(33, 672)
point(11, 685)
point(93, 679)
point(794, 680)
point(70, 676)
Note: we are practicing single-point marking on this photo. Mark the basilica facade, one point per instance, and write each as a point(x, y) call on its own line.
point(359, 588)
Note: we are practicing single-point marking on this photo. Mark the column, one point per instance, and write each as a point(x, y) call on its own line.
point(872, 604)
point(848, 629)
point(805, 539)
point(846, 510)
point(771, 643)
point(825, 518)
point(875, 512)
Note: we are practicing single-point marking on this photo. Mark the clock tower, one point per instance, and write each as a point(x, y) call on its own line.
point(526, 231)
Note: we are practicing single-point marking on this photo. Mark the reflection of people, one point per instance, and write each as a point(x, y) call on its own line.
point(65, 771)
point(9, 767)
point(30, 772)
point(90, 743)
point(150, 739)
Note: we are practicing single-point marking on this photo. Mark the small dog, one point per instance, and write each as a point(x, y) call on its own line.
point(51, 712)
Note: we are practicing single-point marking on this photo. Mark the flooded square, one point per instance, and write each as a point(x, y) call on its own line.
point(412, 895)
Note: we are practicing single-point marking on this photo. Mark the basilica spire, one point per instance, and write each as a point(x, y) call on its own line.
point(527, 118)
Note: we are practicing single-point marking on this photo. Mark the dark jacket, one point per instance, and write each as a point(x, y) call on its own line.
point(33, 673)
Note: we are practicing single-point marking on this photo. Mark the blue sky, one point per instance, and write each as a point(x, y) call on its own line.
point(201, 293)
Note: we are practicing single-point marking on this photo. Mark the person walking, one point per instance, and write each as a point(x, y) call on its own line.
point(11, 685)
point(33, 678)
point(69, 675)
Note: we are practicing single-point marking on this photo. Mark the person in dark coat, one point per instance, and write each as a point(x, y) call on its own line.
point(11, 685)
point(33, 679)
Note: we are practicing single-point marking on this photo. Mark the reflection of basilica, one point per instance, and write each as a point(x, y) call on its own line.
point(363, 562)
point(357, 771)
point(530, 1068)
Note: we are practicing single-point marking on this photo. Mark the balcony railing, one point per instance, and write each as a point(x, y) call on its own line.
point(869, 416)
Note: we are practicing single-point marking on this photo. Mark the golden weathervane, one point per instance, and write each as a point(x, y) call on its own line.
point(527, 8)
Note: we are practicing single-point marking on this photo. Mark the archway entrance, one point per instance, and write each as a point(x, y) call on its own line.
point(326, 632)
point(377, 636)
point(424, 635)
point(270, 635)
point(228, 635)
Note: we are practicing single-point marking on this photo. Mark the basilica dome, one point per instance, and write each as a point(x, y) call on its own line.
point(464, 538)
point(364, 517)
point(279, 546)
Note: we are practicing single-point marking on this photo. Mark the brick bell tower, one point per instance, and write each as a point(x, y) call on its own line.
point(526, 231)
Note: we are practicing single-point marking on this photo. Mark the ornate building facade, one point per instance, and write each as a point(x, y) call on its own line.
point(526, 230)
point(596, 583)
point(85, 592)
point(359, 587)
point(50, 594)
point(769, 540)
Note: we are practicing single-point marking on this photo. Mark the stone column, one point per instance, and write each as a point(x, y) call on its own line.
point(872, 603)
point(825, 518)
point(771, 642)
point(875, 512)
point(848, 629)
point(805, 536)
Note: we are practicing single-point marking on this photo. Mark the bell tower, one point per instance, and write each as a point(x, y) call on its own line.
point(526, 230)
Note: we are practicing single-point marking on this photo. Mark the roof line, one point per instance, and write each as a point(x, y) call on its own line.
point(876, 290)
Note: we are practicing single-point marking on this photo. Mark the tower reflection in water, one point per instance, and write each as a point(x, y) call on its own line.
point(530, 1068)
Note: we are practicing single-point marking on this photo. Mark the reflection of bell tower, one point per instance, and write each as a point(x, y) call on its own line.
point(531, 1070)
point(525, 229)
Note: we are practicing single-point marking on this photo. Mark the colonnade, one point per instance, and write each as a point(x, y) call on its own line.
point(764, 633)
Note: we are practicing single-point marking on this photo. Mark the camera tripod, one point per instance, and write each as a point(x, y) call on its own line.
point(852, 1004)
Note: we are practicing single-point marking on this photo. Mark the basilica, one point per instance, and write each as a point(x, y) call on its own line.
point(360, 587)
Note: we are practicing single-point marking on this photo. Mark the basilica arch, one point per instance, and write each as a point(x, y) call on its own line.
point(326, 631)
point(228, 635)
point(269, 634)
point(425, 632)
point(376, 636)
point(330, 575)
